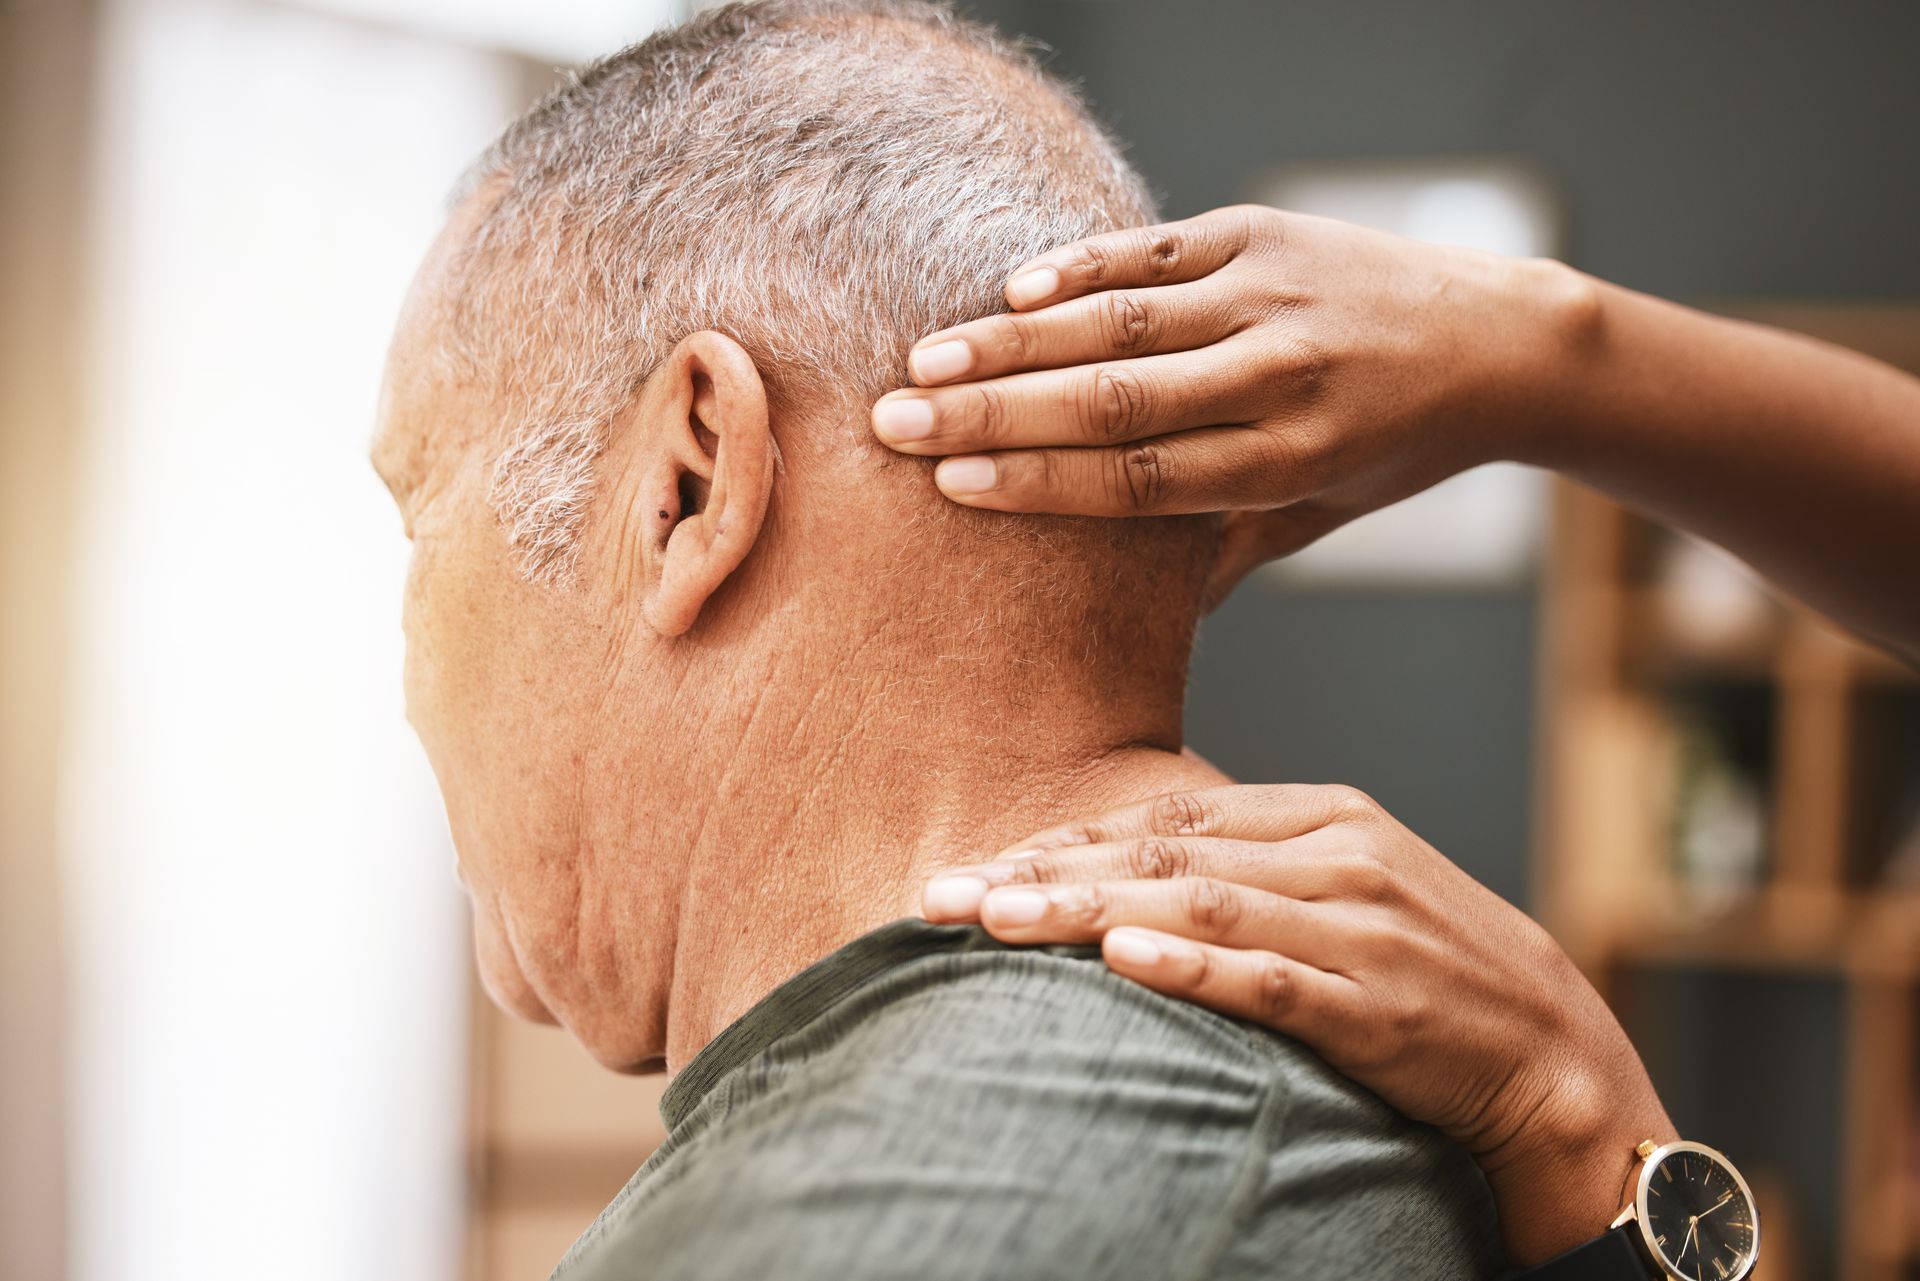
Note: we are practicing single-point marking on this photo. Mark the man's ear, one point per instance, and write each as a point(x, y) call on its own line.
point(707, 459)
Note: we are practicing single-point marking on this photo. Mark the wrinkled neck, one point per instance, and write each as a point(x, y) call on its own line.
point(878, 755)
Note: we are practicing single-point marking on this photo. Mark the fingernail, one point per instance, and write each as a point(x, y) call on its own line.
point(972, 475)
point(1032, 286)
point(941, 361)
point(903, 418)
point(950, 897)
point(1014, 907)
point(993, 873)
point(1132, 947)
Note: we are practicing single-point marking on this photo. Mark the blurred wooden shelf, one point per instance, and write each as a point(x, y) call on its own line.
point(1657, 651)
point(1872, 667)
point(1787, 643)
point(1658, 663)
point(552, 1137)
point(1864, 935)
point(1894, 1238)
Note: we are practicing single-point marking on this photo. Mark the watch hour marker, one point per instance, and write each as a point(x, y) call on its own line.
point(1719, 1268)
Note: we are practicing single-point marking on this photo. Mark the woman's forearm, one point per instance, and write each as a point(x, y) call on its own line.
point(1799, 457)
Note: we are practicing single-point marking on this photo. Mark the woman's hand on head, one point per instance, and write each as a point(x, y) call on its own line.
point(1310, 910)
point(1296, 371)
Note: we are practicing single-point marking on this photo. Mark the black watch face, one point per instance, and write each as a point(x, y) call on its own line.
point(1699, 1218)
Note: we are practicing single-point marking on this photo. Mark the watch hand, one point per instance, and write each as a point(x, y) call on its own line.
point(1716, 1205)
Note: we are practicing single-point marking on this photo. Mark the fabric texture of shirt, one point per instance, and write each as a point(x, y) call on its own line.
point(930, 1104)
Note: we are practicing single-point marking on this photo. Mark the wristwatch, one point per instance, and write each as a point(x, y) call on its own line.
point(1689, 1217)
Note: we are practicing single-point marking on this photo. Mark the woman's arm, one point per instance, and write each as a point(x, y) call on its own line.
point(1300, 372)
point(1800, 457)
point(1310, 910)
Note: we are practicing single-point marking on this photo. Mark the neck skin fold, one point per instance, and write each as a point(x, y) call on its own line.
point(850, 784)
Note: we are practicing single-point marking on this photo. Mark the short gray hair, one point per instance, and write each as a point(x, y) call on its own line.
point(825, 182)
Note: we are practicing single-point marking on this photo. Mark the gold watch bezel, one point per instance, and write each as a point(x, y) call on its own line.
point(1651, 1155)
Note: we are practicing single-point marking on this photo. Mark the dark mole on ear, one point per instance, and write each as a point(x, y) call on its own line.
point(663, 514)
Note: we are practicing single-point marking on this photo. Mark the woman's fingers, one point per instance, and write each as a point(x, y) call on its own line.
point(1248, 360)
point(1205, 469)
point(1082, 331)
point(1197, 907)
point(1167, 254)
point(1326, 863)
point(1242, 812)
point(1087, 405)
point(1262, 987)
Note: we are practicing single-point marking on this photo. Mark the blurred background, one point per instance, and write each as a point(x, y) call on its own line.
point(238, 1014)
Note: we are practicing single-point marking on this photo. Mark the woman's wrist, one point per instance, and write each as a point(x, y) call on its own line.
point(1563, 316)
point(1561, 1178)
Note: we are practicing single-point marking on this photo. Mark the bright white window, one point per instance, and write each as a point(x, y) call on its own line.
point(270, 963)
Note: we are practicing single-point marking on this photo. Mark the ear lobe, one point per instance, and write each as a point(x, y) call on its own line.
point(707, 419)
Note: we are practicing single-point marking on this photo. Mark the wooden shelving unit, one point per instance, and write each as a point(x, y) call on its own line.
point(552, 1137)
point(1826, 734)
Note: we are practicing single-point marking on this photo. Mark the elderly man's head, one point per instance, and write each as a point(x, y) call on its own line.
point(625, 418)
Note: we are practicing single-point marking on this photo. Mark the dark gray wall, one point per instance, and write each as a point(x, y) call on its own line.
point(1423, 701)
point(1703, 148)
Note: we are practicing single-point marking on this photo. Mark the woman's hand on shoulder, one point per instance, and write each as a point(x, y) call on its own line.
point(1314, 912)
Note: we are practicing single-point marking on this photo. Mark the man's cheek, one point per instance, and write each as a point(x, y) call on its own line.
point(441, 679)
point(418, 664)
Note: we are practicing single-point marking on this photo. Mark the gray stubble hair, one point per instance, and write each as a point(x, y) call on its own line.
point(825, 181)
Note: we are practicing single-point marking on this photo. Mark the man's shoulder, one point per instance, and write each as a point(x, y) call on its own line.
point(978, 1014)
point(969, 1109)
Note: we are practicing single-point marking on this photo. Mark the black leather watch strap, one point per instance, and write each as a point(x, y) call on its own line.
point(1612, 1256)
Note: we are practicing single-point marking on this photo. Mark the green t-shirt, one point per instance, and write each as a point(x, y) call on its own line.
point(930, 1104)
